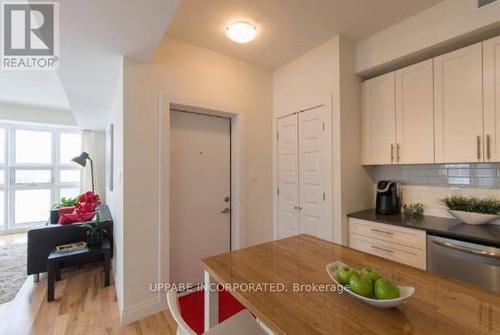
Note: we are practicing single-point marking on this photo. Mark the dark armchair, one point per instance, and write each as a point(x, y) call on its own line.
point(42, 241)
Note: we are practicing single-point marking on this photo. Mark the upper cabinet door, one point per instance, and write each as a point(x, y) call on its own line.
point(415, 114)
point(458, 106)
point(379, 120)
point(491, 75)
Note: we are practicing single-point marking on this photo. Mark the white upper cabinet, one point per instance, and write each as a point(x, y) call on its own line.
point(379, 120)
point(415, 114)
point(491, 75)
point(458, 106)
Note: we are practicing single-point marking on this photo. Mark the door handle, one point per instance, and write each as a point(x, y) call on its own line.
point(297, 207)
point(488, 147)
point(478, 148)
point(389, 251)
point(226, 210)
point(467, 249)
point(392, 153)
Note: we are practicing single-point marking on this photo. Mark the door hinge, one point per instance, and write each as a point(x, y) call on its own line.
point(323, 125)
point(278, 191)
point(324, 196)
point(277, 135)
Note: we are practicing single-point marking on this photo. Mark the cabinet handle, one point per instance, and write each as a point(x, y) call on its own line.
point(488, 147)
point(392, 153)
point(381, 231)
point(397, 152)
point(382, 249)
point(478, 148)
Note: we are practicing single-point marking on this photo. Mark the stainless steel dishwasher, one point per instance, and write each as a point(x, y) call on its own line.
point(469, 262)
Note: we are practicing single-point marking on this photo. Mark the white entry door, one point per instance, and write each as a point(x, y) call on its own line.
point(200, 218)
point(288, 177)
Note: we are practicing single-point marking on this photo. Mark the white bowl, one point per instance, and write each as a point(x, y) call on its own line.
point(473, 218)
point(405, 292)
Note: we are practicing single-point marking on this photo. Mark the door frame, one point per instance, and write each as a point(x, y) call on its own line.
point(166, 103)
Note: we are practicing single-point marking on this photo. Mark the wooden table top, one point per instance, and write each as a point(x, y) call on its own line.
point(439, 306)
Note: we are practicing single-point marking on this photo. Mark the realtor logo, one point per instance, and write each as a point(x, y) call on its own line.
point(30, 38)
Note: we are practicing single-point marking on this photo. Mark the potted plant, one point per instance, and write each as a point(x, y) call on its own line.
point(416, 209)
point(95, 231)
point(472, 210)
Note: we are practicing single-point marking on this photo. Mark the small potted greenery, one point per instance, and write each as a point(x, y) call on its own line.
point(416, 209)
point(472, 210)
point(95, 231)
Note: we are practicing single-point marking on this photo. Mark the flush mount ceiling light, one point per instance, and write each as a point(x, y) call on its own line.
point(241, 32)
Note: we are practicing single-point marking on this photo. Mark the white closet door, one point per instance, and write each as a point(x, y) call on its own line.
point(491, 75)
point(458, 99)
point(288, 220)
point(313, 169)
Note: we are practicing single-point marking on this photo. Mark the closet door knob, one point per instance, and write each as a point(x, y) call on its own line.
point(488, 147)
point(392, 153)
point(478, 148)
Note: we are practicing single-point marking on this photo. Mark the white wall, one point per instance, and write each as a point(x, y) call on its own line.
point(447, 21)
point(306, 80)
point(35, 114)
point(94, 143)
point(114, 199)
point(184, 70)
point(326, 75)
point(356, 185)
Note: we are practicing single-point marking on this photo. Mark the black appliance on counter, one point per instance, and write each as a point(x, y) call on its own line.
point(388, 198)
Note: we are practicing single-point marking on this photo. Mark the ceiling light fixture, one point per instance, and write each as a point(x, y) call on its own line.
point(241, 32)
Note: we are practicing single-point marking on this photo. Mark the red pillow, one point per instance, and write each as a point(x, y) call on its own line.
point(72, 217)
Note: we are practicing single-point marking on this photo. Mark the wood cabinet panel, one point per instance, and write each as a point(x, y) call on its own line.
point(396, 252)
point(404, 236)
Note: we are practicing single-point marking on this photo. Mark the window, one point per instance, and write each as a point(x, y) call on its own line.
point(35, 171)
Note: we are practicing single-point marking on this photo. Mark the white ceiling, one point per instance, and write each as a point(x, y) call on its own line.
point(94, 36)
point(35, 88)
point(287, 28)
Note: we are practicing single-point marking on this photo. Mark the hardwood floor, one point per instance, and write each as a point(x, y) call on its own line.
point(82, 306)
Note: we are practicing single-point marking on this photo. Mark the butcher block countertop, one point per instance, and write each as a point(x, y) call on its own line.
point(439, 306)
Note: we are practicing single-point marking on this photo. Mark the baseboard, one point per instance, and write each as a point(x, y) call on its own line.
point(143, 309)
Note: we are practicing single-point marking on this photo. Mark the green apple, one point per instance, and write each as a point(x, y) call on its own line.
point(386, 289)
point(371, 274)
point(344, 274)
point(361, 285)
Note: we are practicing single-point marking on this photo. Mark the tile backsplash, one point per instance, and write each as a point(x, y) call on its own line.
point(428, 184)
point(431, 196)
point(455, 175)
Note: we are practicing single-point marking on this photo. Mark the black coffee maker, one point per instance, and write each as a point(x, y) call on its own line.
point(388, 198)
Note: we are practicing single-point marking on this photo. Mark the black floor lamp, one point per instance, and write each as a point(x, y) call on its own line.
point(82, 161)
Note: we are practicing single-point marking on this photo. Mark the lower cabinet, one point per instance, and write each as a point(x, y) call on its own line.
point(399, 244)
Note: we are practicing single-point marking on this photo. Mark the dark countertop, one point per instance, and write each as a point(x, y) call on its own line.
point(487, 234)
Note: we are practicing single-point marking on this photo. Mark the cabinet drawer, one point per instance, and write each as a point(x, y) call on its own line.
point(404, 236)
point(395, 252)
